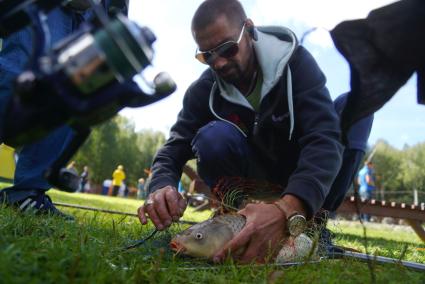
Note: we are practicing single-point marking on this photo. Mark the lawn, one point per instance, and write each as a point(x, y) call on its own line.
point(36, 249)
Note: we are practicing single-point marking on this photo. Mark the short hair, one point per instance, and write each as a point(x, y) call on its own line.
point(210, 10)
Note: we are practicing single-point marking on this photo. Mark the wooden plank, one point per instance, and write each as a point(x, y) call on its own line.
point(384, 209)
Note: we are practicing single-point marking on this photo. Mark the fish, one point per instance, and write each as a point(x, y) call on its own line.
point(205, 239)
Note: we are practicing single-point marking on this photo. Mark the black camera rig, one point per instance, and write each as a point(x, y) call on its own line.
point(83, 80)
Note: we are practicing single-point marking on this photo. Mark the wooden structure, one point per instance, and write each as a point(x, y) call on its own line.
point(413, 214)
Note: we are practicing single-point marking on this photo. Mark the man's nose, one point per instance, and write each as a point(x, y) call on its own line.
point(218, 62)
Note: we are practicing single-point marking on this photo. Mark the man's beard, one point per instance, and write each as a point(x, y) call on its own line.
point(233, 77)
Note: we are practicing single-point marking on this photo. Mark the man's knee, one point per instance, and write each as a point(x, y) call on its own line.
point(218, 139)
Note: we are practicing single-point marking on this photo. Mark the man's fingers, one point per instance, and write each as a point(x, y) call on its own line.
point(172, 199)
point(153, 215)
point(182, 205)
point(141, 214)
point(149, 209)
point(253, 252)
point(161, 207)
point(240, 241)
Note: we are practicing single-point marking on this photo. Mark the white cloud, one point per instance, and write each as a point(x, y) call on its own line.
point(323, 13)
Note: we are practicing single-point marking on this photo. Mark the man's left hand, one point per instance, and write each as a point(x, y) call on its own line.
point(261, 238)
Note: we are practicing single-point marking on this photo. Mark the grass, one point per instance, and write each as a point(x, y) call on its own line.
point(35, 249)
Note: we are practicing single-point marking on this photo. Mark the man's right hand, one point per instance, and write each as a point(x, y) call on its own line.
point(163, 206)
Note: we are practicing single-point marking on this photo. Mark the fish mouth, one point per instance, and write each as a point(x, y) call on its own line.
point(177, 247)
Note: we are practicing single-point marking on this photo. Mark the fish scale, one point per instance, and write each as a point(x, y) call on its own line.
point(235, 221)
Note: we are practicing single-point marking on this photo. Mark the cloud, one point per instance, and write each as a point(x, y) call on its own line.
point(324, 14)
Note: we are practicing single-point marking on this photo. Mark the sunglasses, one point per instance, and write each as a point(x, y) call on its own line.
point(225, 50)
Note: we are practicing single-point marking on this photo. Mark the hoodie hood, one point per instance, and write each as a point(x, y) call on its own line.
point(274, 48)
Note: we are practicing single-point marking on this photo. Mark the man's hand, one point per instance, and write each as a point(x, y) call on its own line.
point(163, 207)
point(262, 236)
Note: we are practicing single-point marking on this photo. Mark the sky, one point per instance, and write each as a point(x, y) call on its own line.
point(400, 122)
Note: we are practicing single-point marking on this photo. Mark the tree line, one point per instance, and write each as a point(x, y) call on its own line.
point(114, 143)
point(399, 172)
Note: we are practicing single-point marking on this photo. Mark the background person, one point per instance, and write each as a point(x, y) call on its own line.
point(141, 190)
point(106, 187)
point(84, 179)
point(72, 167)
point(366, 180)
point(117, 180)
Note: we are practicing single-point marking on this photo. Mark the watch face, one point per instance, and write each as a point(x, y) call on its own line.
point(297, 225)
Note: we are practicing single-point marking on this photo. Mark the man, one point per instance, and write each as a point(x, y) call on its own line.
point(141, 190)
point(117, 180)
point(366, 181)
point(260, 111)
point(28, 191)
point(84, 179)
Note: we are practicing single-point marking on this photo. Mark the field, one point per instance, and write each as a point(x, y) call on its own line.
point(35, 249)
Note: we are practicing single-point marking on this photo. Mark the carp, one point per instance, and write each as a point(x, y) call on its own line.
point(204, 239)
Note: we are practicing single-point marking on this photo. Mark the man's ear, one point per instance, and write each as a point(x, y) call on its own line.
point(251, 29)
point(253, 33)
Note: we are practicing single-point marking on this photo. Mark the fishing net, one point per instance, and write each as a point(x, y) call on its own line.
point(235, 192)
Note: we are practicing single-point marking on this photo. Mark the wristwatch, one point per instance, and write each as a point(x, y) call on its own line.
point(296, 223)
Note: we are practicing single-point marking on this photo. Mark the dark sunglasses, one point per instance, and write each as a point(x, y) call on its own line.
point(225, 50)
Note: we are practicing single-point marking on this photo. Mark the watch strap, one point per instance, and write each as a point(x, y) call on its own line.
point(280, 209)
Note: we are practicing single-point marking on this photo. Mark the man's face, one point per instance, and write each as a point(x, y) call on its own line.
point(230, 69)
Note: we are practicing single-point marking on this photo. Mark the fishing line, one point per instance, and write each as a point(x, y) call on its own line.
point(141, 241)
point(76, 206)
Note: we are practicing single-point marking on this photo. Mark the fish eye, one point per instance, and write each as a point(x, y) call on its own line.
point(198, 236)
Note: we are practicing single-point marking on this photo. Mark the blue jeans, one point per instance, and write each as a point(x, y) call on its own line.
point(34, 158)
point(222, 150)
point(365, 195)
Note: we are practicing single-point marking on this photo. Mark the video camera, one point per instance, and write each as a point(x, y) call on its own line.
point(81, 81)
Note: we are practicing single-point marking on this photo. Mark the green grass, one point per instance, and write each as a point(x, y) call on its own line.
point(35, 249)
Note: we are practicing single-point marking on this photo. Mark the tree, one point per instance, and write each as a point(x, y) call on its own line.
point(413, 168)
point(114, 143)
point(387, 162)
